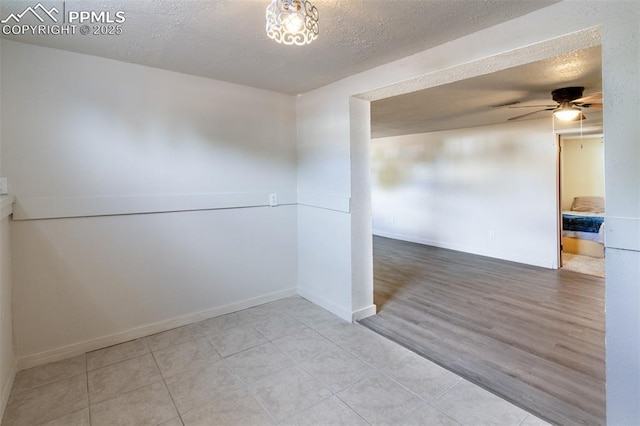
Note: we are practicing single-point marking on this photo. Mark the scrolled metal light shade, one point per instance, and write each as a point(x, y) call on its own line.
point(292, 22)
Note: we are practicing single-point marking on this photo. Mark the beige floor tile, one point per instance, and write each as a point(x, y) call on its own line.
point(150, 405)
point(78, 418)
point(47, 402)
point(173, 337)
point(238, 408)
point(419, 375)
point(290, 304)
point(532, 420)
point(48, 373)
point(376, 350)
point(234, 340)
point(287, 392)
point(346, 332)
point(257, 363)
point(195, 388)
point(332, 411)
point(172, 422)
point(115, 379)
point(304, 345)
point(379, 400)
point(469, 404)
point(425, 414)
point(374, 379)
point(278, 325)
point(185, 356)
point(260, 312)
point(221, 323)
point(116, 353)
point(315, 317)
point(337, 369)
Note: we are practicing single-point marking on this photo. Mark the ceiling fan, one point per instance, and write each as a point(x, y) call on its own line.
point(569, 104)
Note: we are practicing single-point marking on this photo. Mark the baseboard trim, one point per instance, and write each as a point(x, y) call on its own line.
point(363, 313)
point(345, 314)
point(64, 352)
point(543, 263)
point(5, 391)
point(324, 303)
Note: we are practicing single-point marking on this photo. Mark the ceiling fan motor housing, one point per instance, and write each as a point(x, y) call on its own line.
point(567, 94)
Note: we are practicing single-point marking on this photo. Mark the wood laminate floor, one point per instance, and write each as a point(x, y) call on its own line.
point(534, 336)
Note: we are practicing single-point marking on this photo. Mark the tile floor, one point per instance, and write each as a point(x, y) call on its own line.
point(287, 362)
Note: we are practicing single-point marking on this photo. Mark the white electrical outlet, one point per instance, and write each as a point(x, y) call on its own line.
point(492, 235)
point(4, 186)
point(273, 199)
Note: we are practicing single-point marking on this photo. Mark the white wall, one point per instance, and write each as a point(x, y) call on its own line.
point(582, 168)
point(86, 136)
point(81, 126)
point(79, 280)
point(326, 150)
point(324, 223)
point(621, 82)
point(7, 357)
point(487, 190)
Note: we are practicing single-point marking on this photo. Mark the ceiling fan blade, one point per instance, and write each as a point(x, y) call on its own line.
point(586, 99)
point(534, 106)
point(598, 105)
point(530, 113)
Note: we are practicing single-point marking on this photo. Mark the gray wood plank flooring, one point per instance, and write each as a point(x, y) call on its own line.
point(534, 336)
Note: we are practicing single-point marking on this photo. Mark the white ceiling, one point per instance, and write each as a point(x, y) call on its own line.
point(226, 39)
point(472, 102)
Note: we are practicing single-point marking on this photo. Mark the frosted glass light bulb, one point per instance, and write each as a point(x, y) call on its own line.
point(567, 114)
point(294, 23)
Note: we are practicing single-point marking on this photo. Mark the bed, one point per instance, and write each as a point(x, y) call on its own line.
point(583, 227)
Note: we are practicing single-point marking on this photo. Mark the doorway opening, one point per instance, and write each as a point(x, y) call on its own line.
point(582, 204)
point(466, 252)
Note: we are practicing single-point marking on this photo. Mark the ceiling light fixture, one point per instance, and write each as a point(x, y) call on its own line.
point(292, 22)
point(567, 112)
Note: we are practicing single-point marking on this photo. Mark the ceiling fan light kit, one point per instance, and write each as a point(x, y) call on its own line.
point(567, 112)
point(292, 22)
point(569, 104)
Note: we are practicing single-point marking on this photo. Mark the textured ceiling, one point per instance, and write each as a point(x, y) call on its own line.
point(472, 102)
point(226, 39)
